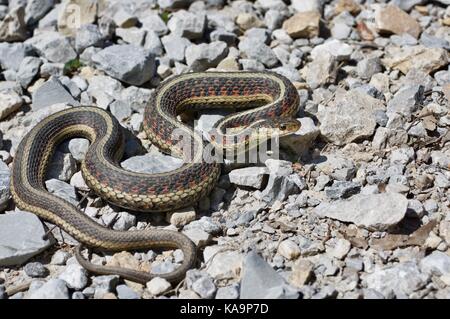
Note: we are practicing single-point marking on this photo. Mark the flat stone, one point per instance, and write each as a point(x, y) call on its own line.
point(303, 25)
point(20, 238)
point(62, 166)
point(62, 190)
point(52, 92)
point(125, 292)
point(158, 286)
point(302, 273)
point(75, 276)
point(250, 176)
point(416, 57)
point(340, 50)
point(152, 163)
point(200, 57)
point(247, 21)
point(12, 54)
point(351, 118)
point(153, 21)
point(391, 19)
point(52, 289)
point(375, 211)
point(260, 281)
point(53, 46)
point(128, 63)
point(406, 101)
point(187, 24)
point(223, 265)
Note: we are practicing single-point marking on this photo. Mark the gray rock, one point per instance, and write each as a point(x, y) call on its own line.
point(12, 54)
point(125, 292)
point(153, 21)
point(89, 35)
point(342, 189)
point(20, 238)
point(376, 211)
point(62, 190)
point(62, 167)
point(249, 176)
point(251, 65)
point(433, 42)
point(52, 92)
point(153, 43)
point(228, 292)
point(28, 70)
point(258, 51)
point(300, 141)
point(338, 49)
point(260, 281)
point(60, 257)
point(120, 110)
point(322, 70)
point(398, 281)
point(128, 63)
point(406, 101)
point(366, 68)
point(108, 282)
point(75, 276)
point(200, 57)
point(351, 118)
point(201, 283)
point(151, 163)
point(36, 10)
point(222, 265)
point(187, 24)
point(437, 263)
point(35, 270)
point(124, 221)
point(279, 188)
point(52, 289)
point(175, 46)
point(132, 35)
point(158, 286)
point(78, 147)
point(52, 69)
point(162, 267)
point(5, 175)
point(53, 46)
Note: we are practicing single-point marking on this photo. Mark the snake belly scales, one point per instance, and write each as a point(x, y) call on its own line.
point(274, 97)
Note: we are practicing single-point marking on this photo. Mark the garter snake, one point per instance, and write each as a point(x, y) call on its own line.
point(265, 100)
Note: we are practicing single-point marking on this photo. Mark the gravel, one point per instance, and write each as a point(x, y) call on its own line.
point(353, 205)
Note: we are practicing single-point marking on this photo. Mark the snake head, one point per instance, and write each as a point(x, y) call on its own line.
point(278, 126)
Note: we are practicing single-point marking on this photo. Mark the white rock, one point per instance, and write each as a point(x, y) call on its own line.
point(376, 211)
point(158, 286)
point(289, 249)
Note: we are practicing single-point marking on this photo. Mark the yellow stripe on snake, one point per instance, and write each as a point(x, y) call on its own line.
point(265, 100)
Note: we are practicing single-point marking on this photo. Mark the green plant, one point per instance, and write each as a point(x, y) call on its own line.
point(72, 66)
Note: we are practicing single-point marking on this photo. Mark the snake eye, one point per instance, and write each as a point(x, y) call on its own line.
point(283, 127)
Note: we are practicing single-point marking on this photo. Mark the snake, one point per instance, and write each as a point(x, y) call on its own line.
point(263, 101)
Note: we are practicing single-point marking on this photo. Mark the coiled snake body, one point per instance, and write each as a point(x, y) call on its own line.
point(267, 100)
